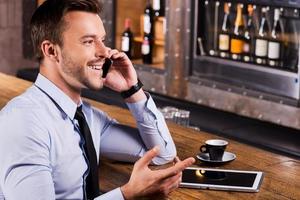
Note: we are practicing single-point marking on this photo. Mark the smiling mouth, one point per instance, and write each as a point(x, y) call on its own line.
point(95, 67)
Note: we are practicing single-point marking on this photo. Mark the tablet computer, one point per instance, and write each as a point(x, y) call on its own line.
point(221, 179)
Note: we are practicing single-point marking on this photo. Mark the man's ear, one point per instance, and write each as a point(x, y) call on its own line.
point(50, 50)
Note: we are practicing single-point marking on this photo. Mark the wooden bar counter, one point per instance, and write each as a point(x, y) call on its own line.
point(282, 174)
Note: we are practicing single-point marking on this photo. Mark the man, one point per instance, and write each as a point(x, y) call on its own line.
point(50, 141)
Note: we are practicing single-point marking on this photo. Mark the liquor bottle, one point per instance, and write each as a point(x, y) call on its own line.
point(159, 8)
point(224, 36)
point(249, 45)
point(261, 40)
point(127, 37)
point(275, 42)
point(237, 39)
point(147, 44)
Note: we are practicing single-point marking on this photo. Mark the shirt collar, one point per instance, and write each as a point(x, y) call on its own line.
point(60, 98)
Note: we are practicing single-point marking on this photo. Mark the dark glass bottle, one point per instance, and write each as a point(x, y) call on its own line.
point(261, 40)
point(147, 44)
point(291, 41)
point(275, 42)
point(237, 39)
point(224, 36)
point(208, 37)
point(127, 37)
point(159, 8)
point(249, 42)
point(148, 19)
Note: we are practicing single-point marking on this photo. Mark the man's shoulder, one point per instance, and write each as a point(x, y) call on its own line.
point(26, 104)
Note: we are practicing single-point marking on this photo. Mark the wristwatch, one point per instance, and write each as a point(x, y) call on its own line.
point(132, 90)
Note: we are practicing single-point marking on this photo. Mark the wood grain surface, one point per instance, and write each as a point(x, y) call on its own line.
point(282, 174)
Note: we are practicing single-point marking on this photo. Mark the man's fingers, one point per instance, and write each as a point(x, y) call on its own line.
point(114, 54)
point(177, 168)
point(147, 158)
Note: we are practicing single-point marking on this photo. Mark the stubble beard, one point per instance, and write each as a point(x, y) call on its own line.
point(77, 74)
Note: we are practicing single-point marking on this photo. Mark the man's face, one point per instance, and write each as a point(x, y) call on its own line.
point(83, 52)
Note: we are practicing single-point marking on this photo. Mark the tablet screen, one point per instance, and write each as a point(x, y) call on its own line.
point(221, 179)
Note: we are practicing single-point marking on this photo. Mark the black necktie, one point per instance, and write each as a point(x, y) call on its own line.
point(92, 186)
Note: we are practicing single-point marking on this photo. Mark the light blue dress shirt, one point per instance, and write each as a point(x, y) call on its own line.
point(40, 154)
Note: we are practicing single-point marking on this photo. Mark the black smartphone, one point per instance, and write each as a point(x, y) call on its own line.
point(106, 66)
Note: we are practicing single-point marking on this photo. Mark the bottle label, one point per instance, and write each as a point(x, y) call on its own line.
point(261, 48)
point(147, 24)
point(224, 42)
point(274, 50)
point(125, 44)
point(156, 4)
point(237, 46)
point(145, 47)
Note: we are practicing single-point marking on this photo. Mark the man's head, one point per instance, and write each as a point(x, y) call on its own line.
point(47, 23)
point(68, 36)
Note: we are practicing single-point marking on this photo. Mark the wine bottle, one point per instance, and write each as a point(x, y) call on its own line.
point(275, 42)
point(224, 36)
point(249, 45)
point(148, 19)
point(237, 40)
point(127, 37)
point(147, 49)
point(147, 44)
point(159, 8)
point(261, 40)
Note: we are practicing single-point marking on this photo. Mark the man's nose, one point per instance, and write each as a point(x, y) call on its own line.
point(102, 50)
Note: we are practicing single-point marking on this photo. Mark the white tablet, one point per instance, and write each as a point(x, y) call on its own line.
point(221, 179)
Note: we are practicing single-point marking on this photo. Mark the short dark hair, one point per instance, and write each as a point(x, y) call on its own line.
point(47, 22)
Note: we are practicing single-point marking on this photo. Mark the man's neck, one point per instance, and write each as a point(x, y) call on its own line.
point(59, 82)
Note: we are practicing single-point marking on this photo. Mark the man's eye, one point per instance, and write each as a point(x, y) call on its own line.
point(87, 42)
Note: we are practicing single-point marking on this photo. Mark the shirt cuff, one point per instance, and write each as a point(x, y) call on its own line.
point(115, 194)
point(138, 108)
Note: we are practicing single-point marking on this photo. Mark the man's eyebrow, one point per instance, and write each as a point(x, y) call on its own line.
point(92, 36)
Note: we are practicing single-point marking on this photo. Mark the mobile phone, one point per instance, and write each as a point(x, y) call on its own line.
point(106, 66)
point(221, 179)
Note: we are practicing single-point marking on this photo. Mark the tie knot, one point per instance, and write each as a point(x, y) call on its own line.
point(79, 114)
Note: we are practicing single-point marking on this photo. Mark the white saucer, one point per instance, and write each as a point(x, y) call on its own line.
point(227, 157)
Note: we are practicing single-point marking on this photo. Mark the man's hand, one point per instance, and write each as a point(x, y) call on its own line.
point(122, 74)
point(145, 182)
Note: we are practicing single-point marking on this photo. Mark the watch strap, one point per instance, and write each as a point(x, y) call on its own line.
point(132, 90)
